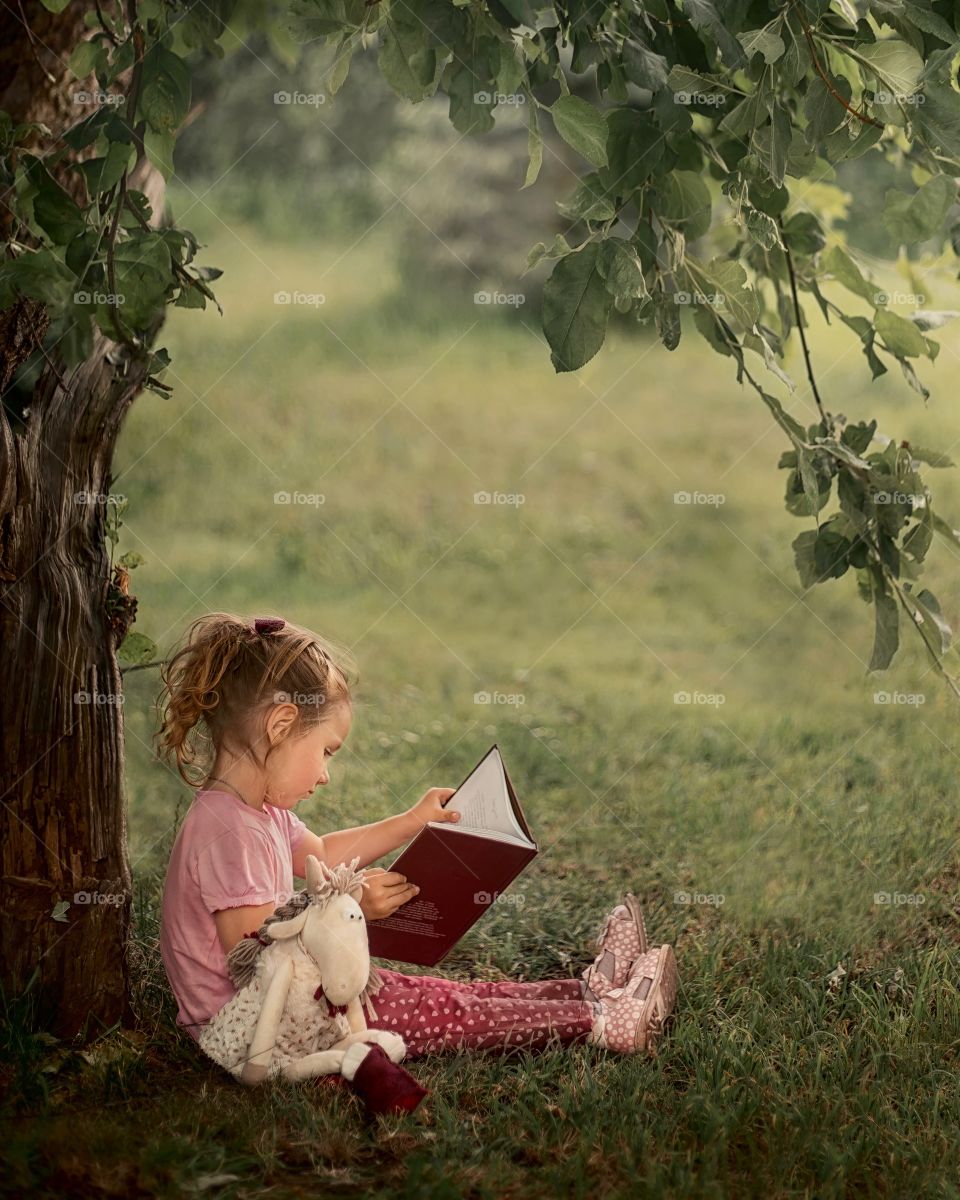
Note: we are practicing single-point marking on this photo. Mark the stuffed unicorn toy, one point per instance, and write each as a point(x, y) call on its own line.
point(303, 979)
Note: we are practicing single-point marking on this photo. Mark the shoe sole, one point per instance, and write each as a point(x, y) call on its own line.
point(662, 997)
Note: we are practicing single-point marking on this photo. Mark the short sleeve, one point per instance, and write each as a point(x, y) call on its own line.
point(296, 828)
point(237, 869)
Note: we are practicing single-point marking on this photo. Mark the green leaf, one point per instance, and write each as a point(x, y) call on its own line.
point(576, 304)
point(589, 202)
point(583, 127)
point(159, 150)
point(86, 57)
point(100, 174)
point(772, 142)
point(804, 547)
point(842, 267)
point(762, 41)
point(713, 32)
point(929, 607)
point(917, 542)
point(933, 458)
point(635, 150)
point(57, 214)
point(823, 110)
point(467, 79)
point(534, 147)
point(131, 560)
point(887, 636)
point(726, 279)
point(917, 217)
point(684, 200)
point(619, 264)
point(55, 6)
point(559, 249)
point(831, 553)
point(895, 63)
point(165, 98)
point(901, 337)
point(406, 59)
point(137, 648)
point(644, 67)
point(666, 312)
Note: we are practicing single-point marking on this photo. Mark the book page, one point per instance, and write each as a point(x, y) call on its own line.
point(484, 803)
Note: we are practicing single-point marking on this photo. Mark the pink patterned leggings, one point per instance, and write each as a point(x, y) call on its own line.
point(432, 1014)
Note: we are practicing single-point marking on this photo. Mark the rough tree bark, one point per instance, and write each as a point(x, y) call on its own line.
point(61, 725)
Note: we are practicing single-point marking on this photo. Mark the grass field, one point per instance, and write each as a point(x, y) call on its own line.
point(794, 838)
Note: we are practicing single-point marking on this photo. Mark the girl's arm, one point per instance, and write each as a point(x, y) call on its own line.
point(233, 923)
point(369, 842)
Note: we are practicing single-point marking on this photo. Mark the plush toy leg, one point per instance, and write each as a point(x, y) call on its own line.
point(382, 1085)
point(324, 1062)
point(391, 1043)
point(265, 1035)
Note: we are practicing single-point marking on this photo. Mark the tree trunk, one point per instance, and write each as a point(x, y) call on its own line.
point(61, 618)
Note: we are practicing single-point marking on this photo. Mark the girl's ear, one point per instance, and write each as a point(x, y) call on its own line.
point(279, 930)
point(280, 720)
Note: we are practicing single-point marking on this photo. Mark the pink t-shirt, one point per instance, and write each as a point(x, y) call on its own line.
point(226, 855)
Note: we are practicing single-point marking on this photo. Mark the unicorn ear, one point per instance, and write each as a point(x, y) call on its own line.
point(314, 873)
point(279, 930)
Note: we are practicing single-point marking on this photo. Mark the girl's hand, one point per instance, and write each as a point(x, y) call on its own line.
point(384, 891)
point(430, 807)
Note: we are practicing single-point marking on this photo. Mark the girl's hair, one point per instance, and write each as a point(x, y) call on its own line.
point(228, 671)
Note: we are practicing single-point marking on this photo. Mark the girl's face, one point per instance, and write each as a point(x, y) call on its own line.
point(298, 766)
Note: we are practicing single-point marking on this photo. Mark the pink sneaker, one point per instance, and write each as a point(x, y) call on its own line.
point(622, 940)
point(634, 1015)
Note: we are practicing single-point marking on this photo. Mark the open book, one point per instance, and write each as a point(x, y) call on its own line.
point(460, 868)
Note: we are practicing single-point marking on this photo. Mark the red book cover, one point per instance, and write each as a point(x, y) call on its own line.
point(460, 869)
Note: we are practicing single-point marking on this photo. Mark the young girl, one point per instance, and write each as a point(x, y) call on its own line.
point(251, 714)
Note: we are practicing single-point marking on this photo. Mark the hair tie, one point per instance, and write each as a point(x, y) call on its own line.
point(268, 624)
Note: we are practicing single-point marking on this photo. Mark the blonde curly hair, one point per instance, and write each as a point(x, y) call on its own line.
point(228, 671)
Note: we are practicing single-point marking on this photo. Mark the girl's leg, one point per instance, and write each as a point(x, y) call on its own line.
point(532, 989)
point(444, 1016)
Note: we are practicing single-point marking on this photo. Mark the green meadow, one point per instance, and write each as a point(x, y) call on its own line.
point(793, 836)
